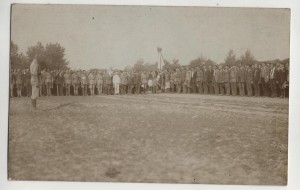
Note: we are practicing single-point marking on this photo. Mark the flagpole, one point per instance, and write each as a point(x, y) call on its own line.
point(158, 57)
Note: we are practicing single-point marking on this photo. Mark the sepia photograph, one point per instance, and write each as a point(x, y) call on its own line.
point(149, 94)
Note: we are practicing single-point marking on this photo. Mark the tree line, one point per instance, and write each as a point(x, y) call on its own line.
point(231, 60)
point(50, 56)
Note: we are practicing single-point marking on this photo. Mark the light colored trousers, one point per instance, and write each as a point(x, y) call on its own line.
point(35, 92)
point(117, 88)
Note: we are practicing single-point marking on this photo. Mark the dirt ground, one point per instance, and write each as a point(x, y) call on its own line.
point(168, 138)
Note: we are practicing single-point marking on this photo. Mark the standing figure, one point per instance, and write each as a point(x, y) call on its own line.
point(67, 79)
point(150, 83)
point(19, 82)
point(216, 80)
point(199, 80)
point(193, 81)
point(130, 82)
point(206, 80)
point(108, 82)
point(75, 82)
point(227, 80)
point(256, 80)
point(48, 82)
point(221, 80)
point(183, 73)
point(42, 83)
point(167, 80)
point(144, 81)
point(173, 82)
point(99, 82)
point(60, 83)
point(187, 81)
point(273, 81)
point(116, 82)
point(241, 80)
point(124, 83)
point(137, 82)
point(84, 83)
point(154, 83)
point(91, 77)
point(265, 76)
point(35, 72)
point(162, 81)
point(249, 80)
point(210, 78)
point(233, 79)
point(27, 83)
point(12, 82)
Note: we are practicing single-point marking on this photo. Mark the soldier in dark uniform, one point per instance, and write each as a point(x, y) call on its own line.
point(227, 80)
point(107, 83)
point(233, 79)
point(19, 82)
point(173, 82)
point(221, 80)
point(241, 80)
point(193, 81)
point(256, 80)
point(130, 82)
point(12, 83)
point(168, 79)
point(206, 74)
point(249, 79)
point(137, 82)
point(265, 77)
point(210, 78)
point(274, 80)
point(27, 83)
point(199, 80)
point(59, 82)
point(183, 73)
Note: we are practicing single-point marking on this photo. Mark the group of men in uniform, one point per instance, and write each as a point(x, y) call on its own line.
point(270, 80)
point(244, 80)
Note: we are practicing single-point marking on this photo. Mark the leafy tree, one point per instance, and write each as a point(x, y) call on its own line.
point(139, 65)
point(17, 60)
point(209, 62)
point(36, 50)
point(201, 61)
point(230, 58)
point(14, 54)
point(52, 56)
point(248, 58)
point(171, 66)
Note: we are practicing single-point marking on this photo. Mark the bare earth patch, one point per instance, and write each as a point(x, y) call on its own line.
point(168, 138)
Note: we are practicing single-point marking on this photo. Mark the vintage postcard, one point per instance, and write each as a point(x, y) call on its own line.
point(149, 94)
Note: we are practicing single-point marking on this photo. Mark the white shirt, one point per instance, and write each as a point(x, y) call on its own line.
point(116, 79)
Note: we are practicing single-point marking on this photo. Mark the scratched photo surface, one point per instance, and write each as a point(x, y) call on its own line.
point(149, 94)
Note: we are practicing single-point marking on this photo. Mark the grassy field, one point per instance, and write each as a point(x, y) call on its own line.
point(169, 138)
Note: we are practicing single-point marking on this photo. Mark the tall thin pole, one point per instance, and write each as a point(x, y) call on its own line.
point(159, 62)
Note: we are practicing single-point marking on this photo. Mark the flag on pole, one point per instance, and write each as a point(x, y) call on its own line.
point(161, 61)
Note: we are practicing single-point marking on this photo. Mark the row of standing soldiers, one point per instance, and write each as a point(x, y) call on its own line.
point(251, 80)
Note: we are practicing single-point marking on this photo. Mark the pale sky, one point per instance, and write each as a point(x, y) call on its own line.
point(97, 36)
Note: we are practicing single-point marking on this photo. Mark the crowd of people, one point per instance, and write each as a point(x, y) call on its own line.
point(265, 79)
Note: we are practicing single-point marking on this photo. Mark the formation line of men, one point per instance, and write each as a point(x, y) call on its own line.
point(270, 80)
